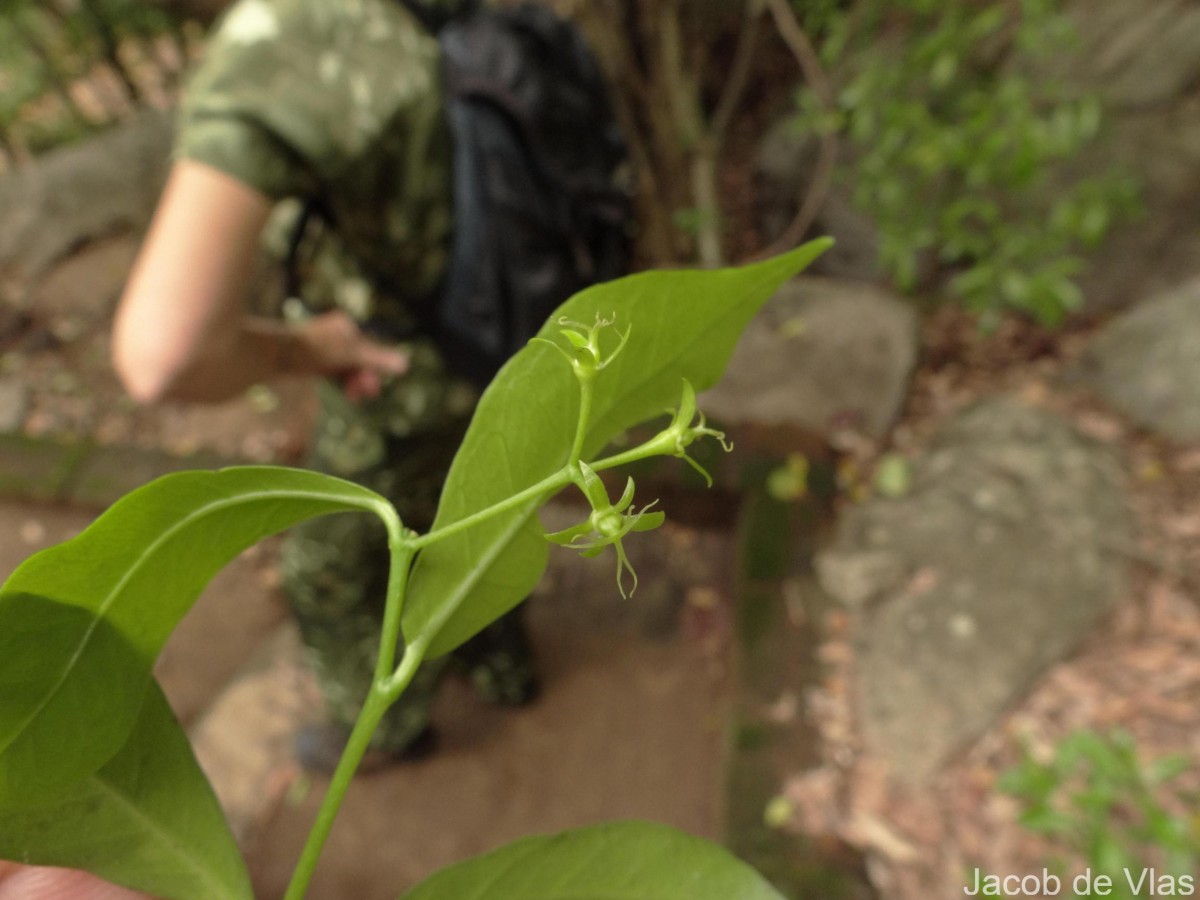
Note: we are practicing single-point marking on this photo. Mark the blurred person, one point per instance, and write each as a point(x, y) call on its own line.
point(338, 100)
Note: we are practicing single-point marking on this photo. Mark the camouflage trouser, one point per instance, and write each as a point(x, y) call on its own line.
point(335, 568)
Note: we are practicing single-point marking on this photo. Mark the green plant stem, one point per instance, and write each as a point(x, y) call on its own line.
point(656, 446)
point(388, 686)
point(383, 694)
point(548, 485)
point(662, 444)
point(585, 413)
point(385, 690)
point(402, 555)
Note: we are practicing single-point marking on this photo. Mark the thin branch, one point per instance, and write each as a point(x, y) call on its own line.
point(680, 85)
point(624, 67)
point(810, 64)
point(708, 151)
point(739, 73)
point(704, 195)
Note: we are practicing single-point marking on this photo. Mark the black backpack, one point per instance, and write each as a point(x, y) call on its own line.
point(539, 211)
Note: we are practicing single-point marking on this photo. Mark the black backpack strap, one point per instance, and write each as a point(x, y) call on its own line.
point(538, 214)
point(435, 16)
point(292, 282)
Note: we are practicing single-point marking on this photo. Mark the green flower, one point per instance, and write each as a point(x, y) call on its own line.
point(681, 433)
point(585, 355)
point(608, 524)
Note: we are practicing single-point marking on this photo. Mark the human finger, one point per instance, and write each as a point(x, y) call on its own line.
point(362, 384)
point(381, 358)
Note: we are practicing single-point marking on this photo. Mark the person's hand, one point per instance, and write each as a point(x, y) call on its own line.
point(334, 346)
point(18, 882)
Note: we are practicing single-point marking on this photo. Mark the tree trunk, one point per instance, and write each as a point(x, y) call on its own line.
point(707, 205)
point(656, 56)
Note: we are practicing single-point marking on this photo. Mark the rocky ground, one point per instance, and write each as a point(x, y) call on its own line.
point(1136, 672)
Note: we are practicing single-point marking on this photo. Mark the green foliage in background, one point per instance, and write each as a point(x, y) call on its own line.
point(1100, 804)
point(48, 47)
point(957, 142)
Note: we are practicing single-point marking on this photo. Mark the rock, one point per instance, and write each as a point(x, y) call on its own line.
point(822, 353)
point(1160, 147)
point(77, 295)
point(76, 194)
point(1146, 363)
point(1140, 59)
point(992, 568)
point(14, 403)
point(1137, 54)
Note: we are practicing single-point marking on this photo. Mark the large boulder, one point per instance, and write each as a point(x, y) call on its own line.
point(74, 195)
point(1141, 58)
point(1146, 363)
point(822, 354)
point(1137, 53)
point(994, 566)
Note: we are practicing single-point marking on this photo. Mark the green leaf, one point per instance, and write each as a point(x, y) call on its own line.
point(648, 521)
point(579, 340)
point(1031, 780)
point(147, 819)
point(1043, 819)
point(1168, 768)
point(1162, 830)
point(567, 535)
point(684, 325)
point(594, 488)
point(779, 811)
point(893, 475)
point(616, 861)
point(73, 675)
point(1109, 857)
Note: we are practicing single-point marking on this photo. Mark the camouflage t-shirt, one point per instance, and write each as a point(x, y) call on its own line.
point(339, 99)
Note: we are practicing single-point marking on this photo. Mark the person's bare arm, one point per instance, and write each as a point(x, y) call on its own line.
point(181, 331)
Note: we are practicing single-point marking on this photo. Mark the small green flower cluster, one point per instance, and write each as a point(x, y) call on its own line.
point(609, 523)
